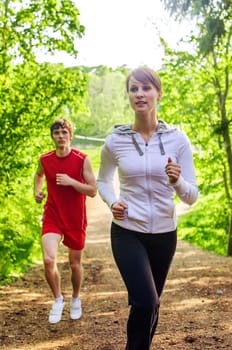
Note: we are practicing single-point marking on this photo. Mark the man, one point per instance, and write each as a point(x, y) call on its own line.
point(69, 179)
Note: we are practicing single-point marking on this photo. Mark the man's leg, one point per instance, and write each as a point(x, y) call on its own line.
point(50, 242)
point(75, 265)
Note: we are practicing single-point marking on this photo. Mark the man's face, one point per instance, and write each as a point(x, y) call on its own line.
point(61, 137)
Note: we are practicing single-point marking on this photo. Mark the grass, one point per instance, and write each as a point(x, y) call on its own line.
point(93, 153)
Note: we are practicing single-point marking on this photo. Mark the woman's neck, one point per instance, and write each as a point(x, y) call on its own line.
point(146, 124)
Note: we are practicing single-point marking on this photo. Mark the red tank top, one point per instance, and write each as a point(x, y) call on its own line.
point(65, 206)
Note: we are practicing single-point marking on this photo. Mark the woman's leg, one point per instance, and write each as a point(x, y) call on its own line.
point(161, 249)
point(133, 262)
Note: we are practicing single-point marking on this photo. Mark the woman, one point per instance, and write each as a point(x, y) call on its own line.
point(154, 161)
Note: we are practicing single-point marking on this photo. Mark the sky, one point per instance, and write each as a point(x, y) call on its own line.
point(122, 32)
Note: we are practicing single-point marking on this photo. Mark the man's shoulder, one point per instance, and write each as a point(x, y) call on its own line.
point(48, 154)
point(77, 153)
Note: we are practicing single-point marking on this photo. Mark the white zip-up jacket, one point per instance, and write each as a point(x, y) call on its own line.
point(144, 185)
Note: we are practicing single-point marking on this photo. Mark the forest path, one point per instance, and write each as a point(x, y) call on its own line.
point(195, 313)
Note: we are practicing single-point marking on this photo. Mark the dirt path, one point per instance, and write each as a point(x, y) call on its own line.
point(196, 308)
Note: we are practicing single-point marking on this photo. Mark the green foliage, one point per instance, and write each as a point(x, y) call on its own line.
point(195, 8)
point(201, 100)
point(30, 26)
point(206, 224)
point(106, 102)
point(32, 95)
point(19, 233)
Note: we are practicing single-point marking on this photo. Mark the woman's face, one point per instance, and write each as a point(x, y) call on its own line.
point(143, 96)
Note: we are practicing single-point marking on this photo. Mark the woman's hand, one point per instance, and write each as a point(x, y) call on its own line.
point(173, 170)
point(119, 210)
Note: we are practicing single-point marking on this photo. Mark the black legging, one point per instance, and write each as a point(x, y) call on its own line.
point(143, 261)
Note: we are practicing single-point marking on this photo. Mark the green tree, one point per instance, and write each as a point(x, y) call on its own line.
point(106, 101)
point(192, 8)
point(32, 95)
point(27, 27)
point(210, 73)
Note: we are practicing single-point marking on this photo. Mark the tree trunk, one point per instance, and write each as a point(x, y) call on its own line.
point(229, 251)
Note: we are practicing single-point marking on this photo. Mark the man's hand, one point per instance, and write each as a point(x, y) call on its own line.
point(39, 197)
point(64, 180)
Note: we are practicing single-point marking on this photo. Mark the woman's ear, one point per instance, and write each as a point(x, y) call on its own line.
point(159, 96)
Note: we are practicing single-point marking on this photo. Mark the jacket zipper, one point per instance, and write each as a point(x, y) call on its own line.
point(148, 180)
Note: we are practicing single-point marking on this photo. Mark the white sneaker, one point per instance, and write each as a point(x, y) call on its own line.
point(56, 312)
point(75, 309)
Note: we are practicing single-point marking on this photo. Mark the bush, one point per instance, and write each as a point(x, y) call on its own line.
point(206, 225)
point(19, 236)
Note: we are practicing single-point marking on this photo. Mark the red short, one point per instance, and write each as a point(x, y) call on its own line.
point(72, 239)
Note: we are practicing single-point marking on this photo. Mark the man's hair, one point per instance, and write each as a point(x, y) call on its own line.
point(62, 123)
point(145, 74)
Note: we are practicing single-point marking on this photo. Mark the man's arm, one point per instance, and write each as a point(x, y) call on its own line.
point(89, 188)
point(38, 184)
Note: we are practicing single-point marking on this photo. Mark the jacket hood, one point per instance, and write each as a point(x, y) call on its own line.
point(127, 128)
